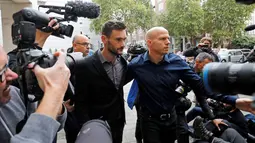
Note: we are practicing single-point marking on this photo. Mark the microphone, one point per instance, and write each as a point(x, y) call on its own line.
point(249, 28)
point(245, 1)
point(83, 9)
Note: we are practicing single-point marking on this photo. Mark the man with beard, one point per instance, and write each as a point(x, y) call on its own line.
point(99, 84)
point(42, 125)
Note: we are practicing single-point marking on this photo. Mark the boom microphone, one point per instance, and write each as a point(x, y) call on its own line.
point(80, 9)
point(249, 28)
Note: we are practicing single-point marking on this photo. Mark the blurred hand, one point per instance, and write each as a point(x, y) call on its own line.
point(68, 106)
point(201, 45)
point(54, 78)
point(245, 104)
point(217, 122)
point(42, 36)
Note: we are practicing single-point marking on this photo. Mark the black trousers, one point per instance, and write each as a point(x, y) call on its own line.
point(182, 128)
point(116, 128)
point(138, 131)
point(156, 130)
point(71, 128)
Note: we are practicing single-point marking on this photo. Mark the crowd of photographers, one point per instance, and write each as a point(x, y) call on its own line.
point(88, 102)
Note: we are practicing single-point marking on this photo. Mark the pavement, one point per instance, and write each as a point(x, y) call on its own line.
point(129, 130)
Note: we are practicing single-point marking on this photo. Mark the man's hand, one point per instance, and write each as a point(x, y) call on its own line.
point(54, 78)
point(217, 122)
point(200, 45)
point(41, 36)
point(245, 104)
point(53, 81)
point(68, 106)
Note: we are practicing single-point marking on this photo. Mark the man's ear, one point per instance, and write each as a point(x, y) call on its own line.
point(104, 38)
point(148, 42)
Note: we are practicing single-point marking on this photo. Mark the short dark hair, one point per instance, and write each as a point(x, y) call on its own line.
point(111, 25)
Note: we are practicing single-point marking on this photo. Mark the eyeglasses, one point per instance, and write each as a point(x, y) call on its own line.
point(84, 44)
point(2, 72)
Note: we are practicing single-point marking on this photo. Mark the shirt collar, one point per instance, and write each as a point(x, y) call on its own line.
point(146, 57)
point(102, 58)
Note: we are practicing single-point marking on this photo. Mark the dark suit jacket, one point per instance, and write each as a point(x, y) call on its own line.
point(96, 95)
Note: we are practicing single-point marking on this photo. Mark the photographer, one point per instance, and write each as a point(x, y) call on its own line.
point(204, 46)
point(227, 112)
point(41, 126)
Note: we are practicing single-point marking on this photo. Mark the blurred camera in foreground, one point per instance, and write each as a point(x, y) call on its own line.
point(230, 78)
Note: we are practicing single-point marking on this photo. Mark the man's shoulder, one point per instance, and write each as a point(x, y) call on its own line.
point(171, 57)
point(137, 60)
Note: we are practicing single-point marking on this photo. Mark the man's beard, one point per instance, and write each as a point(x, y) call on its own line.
point(112, 49)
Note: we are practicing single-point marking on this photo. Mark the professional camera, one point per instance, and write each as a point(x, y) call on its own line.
point(182, 90)
point(229, 78)
point(219, 108)
point(24, 28)
point(134, 50)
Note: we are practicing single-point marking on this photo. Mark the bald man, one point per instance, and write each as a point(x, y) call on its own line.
point(157, 73)
point(81, 44)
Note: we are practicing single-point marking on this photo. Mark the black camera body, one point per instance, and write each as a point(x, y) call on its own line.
point(23, 31)
point(219, 108)
point(26, 21)
point(183, 103)
point(40, 20)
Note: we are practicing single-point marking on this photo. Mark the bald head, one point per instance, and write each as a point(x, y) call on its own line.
point(80, 37)
point(153, 32)
point(81, 44)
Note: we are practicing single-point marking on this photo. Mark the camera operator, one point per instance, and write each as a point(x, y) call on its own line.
point(232, 114)
point(50, 115)
point(204, 46)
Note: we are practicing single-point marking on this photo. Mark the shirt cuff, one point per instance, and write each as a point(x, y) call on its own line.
point(40, 128)
point(62, 118)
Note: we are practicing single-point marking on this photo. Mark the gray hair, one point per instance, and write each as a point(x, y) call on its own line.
point(202, 56)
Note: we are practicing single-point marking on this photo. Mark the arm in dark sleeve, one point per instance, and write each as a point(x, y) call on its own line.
point(191, 52)
point(229, 99)
point(129, 74)
point(195, 82)
point(81, 98)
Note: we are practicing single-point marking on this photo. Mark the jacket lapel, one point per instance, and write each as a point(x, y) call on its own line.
point(124, 62)
point(100, 69)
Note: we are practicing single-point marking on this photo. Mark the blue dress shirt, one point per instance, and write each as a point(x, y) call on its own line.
point(157, 82)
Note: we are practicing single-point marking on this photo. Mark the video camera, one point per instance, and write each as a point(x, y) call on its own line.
point(246, 1)
point(24, 28)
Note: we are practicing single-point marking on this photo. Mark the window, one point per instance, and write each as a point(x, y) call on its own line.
point(238, 53)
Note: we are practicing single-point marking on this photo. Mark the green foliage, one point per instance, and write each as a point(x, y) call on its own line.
point(183, 17)
point(135, 13)
point(225, 19)
point(243, 42)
